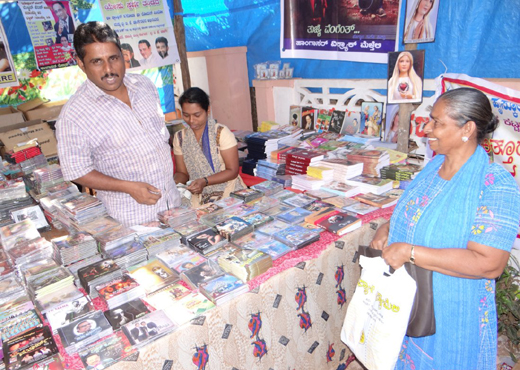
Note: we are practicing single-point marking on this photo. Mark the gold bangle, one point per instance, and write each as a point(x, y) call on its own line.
point(412, 255)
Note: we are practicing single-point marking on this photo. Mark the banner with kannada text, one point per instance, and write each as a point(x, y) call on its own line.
point(51, 27)
point(146, 32)
point(361, 30)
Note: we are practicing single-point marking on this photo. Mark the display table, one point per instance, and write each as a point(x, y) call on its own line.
point(292, 320)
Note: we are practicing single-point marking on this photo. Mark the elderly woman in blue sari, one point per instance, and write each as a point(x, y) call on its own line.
point(205, 153)
point(458, 218)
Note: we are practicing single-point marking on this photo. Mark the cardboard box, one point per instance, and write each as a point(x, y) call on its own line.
point(9, 116)
point(41, 109)
point(15, 134)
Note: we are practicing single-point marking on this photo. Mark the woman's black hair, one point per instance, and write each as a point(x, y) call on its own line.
point(195, 95)
point(91, 32)
point(466, 104)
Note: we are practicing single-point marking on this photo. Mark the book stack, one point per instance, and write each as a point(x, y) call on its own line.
point(82, 209)
point(245, 264)
point(107, 352)
point(273, 227)
point(263, 204)
point(28, 251)
point(160, 240)
point(234, 228)
point(118, 291)
point(181, 258)
point(257, 220)
point(32, 212)
point(285, 180)
point(321, 172)
point(153, 275)
point(319, 194)
point(46, 177)
point(279, 156)
point(251, 241)
point(247, 195)
point(54, 300)
point(190, 228)
point(223, 289)
point(66, 312)
point(115, 237)
point(49, 283)
point(84, 331)
point(340, 223)
point(274, 248)
point(268, 187)
point(201, 274)
point(148, 328)
point(98, 226)
point(127, 254)
point(299, 159)
point(205, 241)
point(373, 160)
point(241, 135)
point(12, 196)
point(256, 145)
point(177, 216)
point(297, 236)
point(23, 322)
point(228, 202)
point(318, 215)
point(249, 165)
point(32, 349)
point(306, 182)
point(380, 201)
point(206, 209)
point(400, 171)
point(299, 200)
point(125, 313)
point(293, 216)
point(97, 274)
point(74, 247)
point(74, 267)
point(13, 234)
point(343, 169)
point(369, 184)
point(342, 189)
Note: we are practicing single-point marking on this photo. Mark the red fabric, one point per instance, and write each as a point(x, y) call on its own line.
point(250, 180)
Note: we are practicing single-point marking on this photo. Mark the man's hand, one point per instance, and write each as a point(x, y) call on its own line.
point(197, 186)
point(144, 193)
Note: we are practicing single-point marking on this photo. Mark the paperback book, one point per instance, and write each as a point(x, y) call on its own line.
point(297, 236)
point(340, 223)
point(223, 288)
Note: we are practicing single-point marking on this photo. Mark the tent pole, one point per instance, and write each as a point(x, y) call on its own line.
point(178, 29)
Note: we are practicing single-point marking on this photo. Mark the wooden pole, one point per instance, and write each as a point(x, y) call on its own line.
point(180, 36)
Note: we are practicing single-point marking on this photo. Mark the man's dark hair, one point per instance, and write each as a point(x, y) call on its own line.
point(162, 39)
point(144, 42)
point(91, 32)
point(127, 47)
point(59, 3)
point(195, 95)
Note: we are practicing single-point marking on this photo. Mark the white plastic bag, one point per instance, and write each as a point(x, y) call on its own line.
point(377, 316)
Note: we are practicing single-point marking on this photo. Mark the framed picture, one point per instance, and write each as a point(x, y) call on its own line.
point(371, 118)
point(405, 76)
point(350, 123)
point(421, 21)
point(391, 123)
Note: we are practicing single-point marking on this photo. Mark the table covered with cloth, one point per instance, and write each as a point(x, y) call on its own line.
point(290, 320)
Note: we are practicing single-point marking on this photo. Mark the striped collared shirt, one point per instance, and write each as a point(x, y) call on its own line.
point(96, 131)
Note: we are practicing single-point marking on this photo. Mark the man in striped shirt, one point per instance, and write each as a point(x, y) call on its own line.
point(111, 133)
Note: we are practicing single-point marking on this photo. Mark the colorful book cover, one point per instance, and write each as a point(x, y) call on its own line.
point(148, 327)
point(28, 348)
point(116, 287)
point(86, 327)
point(223, 286)
point(106, 352)
point(336, 121)
point(153, 275)
point(127, 312)
point(340, 223)
point(293, 216)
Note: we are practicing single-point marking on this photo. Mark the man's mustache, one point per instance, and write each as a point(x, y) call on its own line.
point(108, 75)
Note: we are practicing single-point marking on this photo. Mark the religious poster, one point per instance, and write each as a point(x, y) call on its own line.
point(421, 21)
point(504, 145)
point(405, 76)
point(7, 71)
point(146, 32)
point(51, 27)
point(360, 30)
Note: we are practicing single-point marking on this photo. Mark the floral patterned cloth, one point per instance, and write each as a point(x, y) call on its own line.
point(481, 203)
